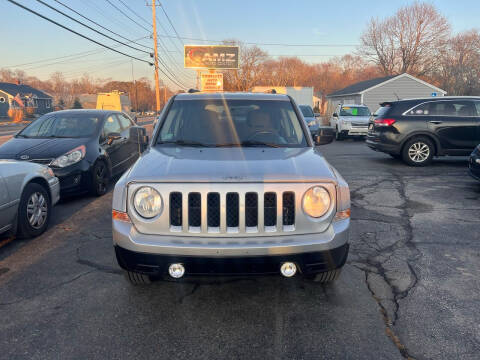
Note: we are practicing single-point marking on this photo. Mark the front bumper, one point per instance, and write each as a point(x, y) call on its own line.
point(152, 253)
point(74, 178)
point(348, 129)
point(54, 185)
point(157, 265)
point(474, 166)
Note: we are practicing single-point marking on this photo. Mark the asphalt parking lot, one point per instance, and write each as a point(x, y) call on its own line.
point(411, 287)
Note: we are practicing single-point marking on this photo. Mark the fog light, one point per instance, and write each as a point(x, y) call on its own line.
point(176, 270)
point(288, 269)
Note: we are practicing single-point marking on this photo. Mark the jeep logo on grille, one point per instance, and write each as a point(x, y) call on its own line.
point(24, 157)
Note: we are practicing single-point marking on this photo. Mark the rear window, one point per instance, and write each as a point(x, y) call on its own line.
point(382, 111)
point(306, 111)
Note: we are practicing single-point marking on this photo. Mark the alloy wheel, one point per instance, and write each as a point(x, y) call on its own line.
point(37, 210)
point(419, 152)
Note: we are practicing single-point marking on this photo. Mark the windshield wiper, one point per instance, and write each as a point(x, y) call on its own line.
point(184, 143)
point(21, 135)
point(250, 143)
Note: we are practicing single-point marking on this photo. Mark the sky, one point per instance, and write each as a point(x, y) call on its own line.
point(330, 28)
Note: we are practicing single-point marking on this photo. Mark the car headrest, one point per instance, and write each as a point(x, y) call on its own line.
point(259, 119)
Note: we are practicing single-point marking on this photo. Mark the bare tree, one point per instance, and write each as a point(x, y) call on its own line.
point(409, 41)
point(459, 72)
point(251, 62)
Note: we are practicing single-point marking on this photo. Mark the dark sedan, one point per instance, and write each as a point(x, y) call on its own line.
point(84, 148)
point(474, 163)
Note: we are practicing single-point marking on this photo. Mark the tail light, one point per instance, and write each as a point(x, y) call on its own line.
point(384, 122)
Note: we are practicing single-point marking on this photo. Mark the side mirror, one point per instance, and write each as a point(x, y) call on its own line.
point(138, 135)
point(335, 115)
point(112, 137)
point(324, 136)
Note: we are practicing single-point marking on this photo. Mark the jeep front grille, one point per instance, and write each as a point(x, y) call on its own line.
point(232, 211)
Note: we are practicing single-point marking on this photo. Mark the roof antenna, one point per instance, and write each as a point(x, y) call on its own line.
point(398, 98)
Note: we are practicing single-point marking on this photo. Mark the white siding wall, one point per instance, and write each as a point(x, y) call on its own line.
point(402, 87)
point(347, 99)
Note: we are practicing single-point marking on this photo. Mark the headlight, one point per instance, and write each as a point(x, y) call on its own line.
point(70, 158)
point(147, 202)
point(311, 123)
point(316, 201)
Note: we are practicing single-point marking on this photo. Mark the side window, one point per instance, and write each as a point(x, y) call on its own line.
point(445, 108)
point(422, 109)
point(112, 125)
point(477, 106)
point(124, 121)
point(452, 108)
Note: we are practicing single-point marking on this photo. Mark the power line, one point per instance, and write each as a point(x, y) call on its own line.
point(76, 33)
point(91, 28)
point(171, 24)
point(73, 56)
point(176, 81)
point(99, 25)
point(163, 46)
point(135, 13)
point(263, 44)
point(122, 12)
point(167, 68)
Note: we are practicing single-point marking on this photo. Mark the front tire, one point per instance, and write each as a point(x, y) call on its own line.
point(338, 135)
point(33, 211)
point(100, 179)
point(136, 278)
point(418, 151)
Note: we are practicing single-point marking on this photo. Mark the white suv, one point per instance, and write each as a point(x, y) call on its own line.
point(350, 120)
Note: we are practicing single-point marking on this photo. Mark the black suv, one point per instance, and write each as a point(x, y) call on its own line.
point(417, 130)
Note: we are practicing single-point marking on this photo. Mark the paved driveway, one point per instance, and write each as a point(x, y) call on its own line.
point(411, 286)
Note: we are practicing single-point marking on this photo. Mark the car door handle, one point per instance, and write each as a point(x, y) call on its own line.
point(435, 122)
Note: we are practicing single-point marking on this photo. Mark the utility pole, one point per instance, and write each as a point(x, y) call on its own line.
point(135, 89)
point(165, 94)
point(157, 85)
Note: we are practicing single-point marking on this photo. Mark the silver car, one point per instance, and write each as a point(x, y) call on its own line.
point(28, 192)
point(350, 120)
point(232, 184)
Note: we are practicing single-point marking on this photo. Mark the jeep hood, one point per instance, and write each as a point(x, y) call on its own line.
point(185, 164)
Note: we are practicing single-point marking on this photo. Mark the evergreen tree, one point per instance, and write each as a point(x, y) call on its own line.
point(77, 104)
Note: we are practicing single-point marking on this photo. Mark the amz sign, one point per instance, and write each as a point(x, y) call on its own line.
point(210, 57)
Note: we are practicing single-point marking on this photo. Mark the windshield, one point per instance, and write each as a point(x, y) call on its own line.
point(354, 111)
point(306, 111)
point(70, 126)
point(232, 123)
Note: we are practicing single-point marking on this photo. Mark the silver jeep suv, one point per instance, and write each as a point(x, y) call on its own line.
point(231, 185)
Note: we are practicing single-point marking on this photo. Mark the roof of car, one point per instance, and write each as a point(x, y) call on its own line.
point(232, 96)
point(356, 105)
point(439, 98)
